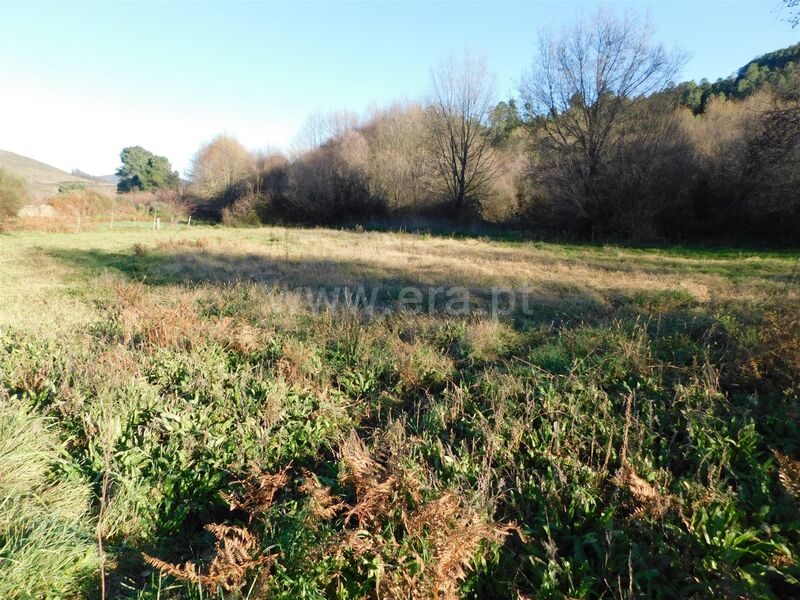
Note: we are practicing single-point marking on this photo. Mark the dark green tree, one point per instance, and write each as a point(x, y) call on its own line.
point(143, 170)
point(504, 119)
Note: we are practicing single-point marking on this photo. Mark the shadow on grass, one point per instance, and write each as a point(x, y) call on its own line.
point(448, 228)
point(383, 287)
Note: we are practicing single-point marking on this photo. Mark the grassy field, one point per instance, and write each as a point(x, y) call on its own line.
point(287, 413)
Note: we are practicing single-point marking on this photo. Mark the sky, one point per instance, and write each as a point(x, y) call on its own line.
point(81, 80)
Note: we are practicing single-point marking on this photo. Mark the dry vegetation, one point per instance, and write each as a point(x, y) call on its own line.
point(633, 434)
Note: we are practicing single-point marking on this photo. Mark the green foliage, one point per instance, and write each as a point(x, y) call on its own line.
point(72, 186)
point(682, 494)
point(779, 69)
point(504, 119)
point(646, 447)
point(13, 194)
point(143, 170)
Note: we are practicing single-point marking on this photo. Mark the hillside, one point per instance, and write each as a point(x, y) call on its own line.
point(779, 70)
point(43, 179)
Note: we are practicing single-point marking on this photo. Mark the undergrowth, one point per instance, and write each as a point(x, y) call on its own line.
point(242, 450)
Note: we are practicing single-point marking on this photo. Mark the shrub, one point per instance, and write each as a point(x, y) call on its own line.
point(329, 184)
point(244, 211)
point(81, 204)
point(13, 194)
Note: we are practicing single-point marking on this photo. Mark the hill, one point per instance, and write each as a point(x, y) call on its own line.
point(44, 180)
point(98, 178)
point(779, 69)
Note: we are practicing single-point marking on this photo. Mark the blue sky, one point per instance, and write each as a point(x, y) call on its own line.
point(78, 81)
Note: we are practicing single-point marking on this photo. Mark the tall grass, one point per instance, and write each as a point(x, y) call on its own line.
point(239, 445)
point(46, 544)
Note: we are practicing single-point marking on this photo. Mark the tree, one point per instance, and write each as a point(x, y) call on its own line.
point(329, 184)
point(219, 166)
point(143, 170)
point(13, 194)
point(397, 170)
point(794, 11)
point(320, 128)
point(174, 202)
point(461, 102)
point(504, 119)
point(584, 82)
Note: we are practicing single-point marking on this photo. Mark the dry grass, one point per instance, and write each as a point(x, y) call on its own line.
point(258, 491)
point(323, 505)
point(64, 272)
point(789, 474)
point(778, 349)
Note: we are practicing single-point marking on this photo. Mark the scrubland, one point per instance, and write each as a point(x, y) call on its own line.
point(178, 421)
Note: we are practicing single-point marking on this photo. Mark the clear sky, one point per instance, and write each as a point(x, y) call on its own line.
point(78, 81)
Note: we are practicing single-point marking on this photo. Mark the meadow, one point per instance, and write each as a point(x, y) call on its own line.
point(209, 412)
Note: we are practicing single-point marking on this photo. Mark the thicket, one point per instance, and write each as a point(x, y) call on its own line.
point(13, 194)
point(652, 161)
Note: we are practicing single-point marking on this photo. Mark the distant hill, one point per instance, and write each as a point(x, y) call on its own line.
point(44, 180)
point(99, 178)
point(779, 70)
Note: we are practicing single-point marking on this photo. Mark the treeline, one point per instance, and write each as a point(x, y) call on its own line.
point(600, 144)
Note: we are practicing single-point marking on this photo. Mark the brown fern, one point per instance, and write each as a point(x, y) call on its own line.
point(322, 503)
point(789, 474)
point(258, 491)
point(233, 559)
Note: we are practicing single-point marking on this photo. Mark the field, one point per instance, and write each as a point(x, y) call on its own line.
point(285, 413)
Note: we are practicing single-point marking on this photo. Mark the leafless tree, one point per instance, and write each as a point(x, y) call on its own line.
point(794, 12)
point(461, 100)
point(319, 128)
point(583, 82)
point(219, 165)
point(398, 170)
point(176, 201)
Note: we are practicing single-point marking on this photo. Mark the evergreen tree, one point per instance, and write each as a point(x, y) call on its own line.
point(143, 170)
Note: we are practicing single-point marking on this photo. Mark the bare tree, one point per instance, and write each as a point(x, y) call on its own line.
point(219, 165)
point(460, 145)
point(176, 201)
point(583, 83)
point(319, 128)
point(793, 7)
point(397, 169)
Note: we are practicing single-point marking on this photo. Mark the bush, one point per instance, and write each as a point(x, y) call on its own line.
point(81, 205)
point(13, 194)
point(244, 211)
point(329, 184)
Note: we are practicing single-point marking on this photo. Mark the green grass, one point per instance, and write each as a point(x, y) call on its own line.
point(47, 545)
point(633, 434)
